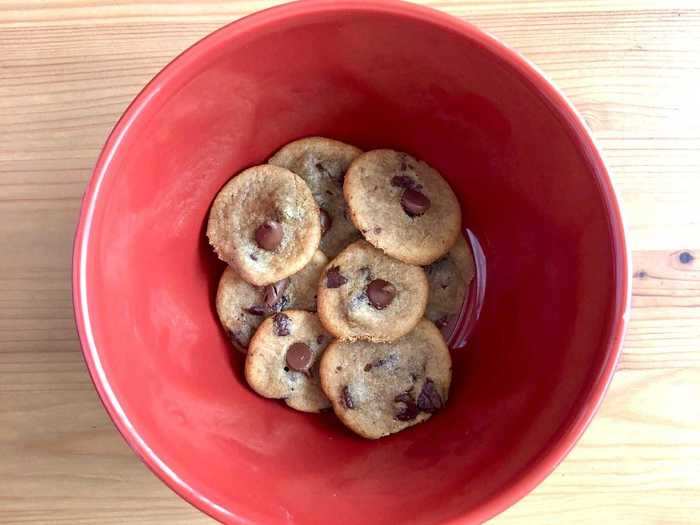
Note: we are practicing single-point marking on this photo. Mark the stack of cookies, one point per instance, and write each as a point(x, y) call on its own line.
point(341, 264)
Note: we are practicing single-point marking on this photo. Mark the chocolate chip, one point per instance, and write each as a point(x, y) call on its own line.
point(235, 338)
point(429, 399)
point(253, 256)
point(381, 293)
point(321, 339)
point(374, 364)
point(409, 410)
point(326, 221)
point(282, 324)
point(273, 292)
point(321, 167)
point(378, 363)
point(299, 357)
point(402, 181)
point(256, 310)
point(269, 235)
point(414, 203)
point(281, 304)
point(334, 279)
point(347, 398)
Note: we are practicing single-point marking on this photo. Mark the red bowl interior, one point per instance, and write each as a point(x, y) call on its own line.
point(533, 189)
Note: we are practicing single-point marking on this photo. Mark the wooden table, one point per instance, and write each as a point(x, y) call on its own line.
point(68, 69)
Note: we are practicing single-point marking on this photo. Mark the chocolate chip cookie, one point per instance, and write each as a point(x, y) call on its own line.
point(402, 206)
point(378, 389)
point(322, 163)
point(449, 279)
point(365, 294)
point(242, 306)
point(283, 360)
point(265, 223)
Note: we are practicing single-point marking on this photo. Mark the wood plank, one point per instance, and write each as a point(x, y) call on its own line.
point(639, 462)
point(17, 13)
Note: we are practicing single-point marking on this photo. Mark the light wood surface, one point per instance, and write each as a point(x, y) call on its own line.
point(68, 68)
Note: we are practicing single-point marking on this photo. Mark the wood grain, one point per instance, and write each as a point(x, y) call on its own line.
point(69, 68)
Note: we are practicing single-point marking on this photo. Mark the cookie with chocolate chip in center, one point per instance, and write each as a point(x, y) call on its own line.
point(365, 294)
point(265, 223)
point(284, 357)
point(449, 278)
point(242, 306)
point(402, 206)
point(378, 389)
point(322, 163)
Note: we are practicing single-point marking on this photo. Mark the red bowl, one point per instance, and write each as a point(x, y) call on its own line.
point(534, 190)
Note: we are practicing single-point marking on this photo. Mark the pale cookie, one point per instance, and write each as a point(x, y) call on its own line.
point(322, 163)
point(365, 294)
point(449, 279)
point(265, 223)
point(242, 306)
point(284, 357)
point(402, 206)
point(378, 389)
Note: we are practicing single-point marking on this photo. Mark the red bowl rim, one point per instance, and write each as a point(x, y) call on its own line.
point(161, 85)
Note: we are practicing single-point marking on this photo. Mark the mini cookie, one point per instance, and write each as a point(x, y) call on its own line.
point(322, 163)
point(265, 223)
point(242, 306)
point(402, 206)
point(365, 294)
point(449, 278)
point(283, 360)
point(378, 389)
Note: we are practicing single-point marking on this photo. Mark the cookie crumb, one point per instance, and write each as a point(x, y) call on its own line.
point(282, 325)
point(347, 398)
